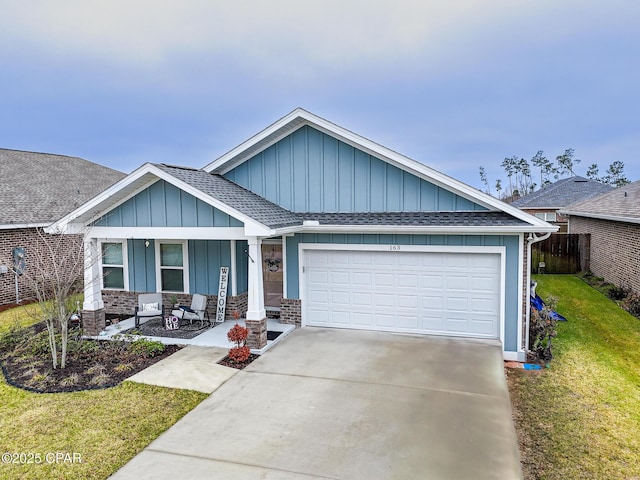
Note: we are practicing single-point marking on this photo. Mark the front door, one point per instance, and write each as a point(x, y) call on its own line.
point(272, 267)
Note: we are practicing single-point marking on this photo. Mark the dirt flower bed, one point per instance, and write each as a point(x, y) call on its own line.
point(91, 364)
point(227, 362)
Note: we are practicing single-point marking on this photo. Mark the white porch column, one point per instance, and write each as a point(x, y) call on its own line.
point(92, 276)
point(256, 320)
point(255, 300)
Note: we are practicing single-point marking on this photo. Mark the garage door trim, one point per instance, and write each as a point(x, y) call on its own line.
point(500, 250)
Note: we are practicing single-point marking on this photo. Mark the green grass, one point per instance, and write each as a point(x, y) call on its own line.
point(18, 317)
point(581, 417)
point(103, 428)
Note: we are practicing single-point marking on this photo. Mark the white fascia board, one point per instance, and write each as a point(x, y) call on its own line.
point(12, 226)
point(158, 174)
point(169, 233)
point(300, 117)
point(612, 218)
point(416, 230)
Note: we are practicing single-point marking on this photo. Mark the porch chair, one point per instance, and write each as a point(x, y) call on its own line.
point(197, 311)
point(149, 305)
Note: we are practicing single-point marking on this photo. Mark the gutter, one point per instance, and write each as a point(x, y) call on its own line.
point(533, 238)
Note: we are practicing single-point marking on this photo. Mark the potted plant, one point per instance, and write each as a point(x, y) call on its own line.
point(173, 300)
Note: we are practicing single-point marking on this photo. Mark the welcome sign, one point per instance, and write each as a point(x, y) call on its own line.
point(222, 294)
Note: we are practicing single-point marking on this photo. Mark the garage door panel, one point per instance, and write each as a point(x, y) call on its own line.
point(361, 299)
point(383, 279)
point(384, 300)
point(407, 280)
point(361, 279)
point(422, 292)
point(383, 320)
point(340, 298)
point(362, 319)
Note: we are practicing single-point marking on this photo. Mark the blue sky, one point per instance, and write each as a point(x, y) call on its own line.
point(454, 85)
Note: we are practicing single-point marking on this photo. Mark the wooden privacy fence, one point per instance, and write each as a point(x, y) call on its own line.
point(561, 253)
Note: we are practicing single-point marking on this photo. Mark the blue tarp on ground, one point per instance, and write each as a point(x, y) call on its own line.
point(538, 304)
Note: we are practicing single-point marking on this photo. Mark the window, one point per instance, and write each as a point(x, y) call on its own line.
point(113, 266)
point(171, 265)
point(547, 216)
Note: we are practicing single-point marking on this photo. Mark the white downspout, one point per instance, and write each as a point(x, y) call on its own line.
point(533, 238)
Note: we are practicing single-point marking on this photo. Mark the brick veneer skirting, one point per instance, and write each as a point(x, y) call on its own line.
point(123, 303)
point(615, 249)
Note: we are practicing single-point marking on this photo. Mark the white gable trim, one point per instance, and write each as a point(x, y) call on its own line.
point(300, 117)
point(133, 184)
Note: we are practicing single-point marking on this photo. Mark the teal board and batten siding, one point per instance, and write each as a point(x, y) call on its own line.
point(511, 242)
point(205, 259)
point(164, 205)
point(310, 171)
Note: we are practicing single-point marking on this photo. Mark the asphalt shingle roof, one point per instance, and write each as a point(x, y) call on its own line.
point(562, 193)
point(275, 216)
point(422, 219)
point(237, 197)
point(43, 187)
point(623, 202)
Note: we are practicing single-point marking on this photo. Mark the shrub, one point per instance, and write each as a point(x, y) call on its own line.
point(618, 293)
point(70, 381)
point(146, 348)
point(632, 304)
point(239, 354)
point(238, 335)
point(100, 379)
point(542, 330)
point(123, 368)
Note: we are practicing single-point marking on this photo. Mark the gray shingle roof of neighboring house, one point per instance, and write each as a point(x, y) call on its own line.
point(562, 193)
point(622, 204)
point(40, 188)
point(275, 216)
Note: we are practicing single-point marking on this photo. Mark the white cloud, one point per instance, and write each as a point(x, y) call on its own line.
point(332, 33)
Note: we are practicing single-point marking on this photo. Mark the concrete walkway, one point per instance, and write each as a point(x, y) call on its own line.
point(192, 368)
point(344, 404)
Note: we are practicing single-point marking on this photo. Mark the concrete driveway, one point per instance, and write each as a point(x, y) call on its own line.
point(346, 404)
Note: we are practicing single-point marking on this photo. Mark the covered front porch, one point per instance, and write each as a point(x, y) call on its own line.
point(214, 336)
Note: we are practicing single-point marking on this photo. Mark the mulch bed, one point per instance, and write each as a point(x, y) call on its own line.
point(239, 365)
point(91, 364)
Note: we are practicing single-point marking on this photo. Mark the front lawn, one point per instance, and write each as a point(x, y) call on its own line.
point(580, 418)
point(82, 435)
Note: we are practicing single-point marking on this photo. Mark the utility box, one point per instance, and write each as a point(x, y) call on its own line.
point(4, 269)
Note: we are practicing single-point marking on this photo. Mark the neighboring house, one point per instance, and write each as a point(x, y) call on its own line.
point(35, 190)
point(329, 228)
point(546, 202)
point(613, 220)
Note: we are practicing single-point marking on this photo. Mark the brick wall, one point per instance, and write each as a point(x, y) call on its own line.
point(124, 303)
point(615, 249)
point(291, 311)
point(29, 239)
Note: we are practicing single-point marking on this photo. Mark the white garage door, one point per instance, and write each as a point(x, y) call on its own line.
point(417, 292)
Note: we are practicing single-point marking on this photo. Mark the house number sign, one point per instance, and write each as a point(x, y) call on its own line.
point(222, 294)
point(394, 248)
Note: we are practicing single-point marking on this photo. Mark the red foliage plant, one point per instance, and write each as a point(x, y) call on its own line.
point(238, 335)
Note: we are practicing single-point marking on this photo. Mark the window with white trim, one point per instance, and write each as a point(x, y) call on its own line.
point(113, 265)
point(547, 216)
point(171, 266)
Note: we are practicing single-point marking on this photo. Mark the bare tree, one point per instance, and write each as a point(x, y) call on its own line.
point(53, 273)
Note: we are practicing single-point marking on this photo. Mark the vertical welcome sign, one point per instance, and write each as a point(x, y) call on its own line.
point(222, 294)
